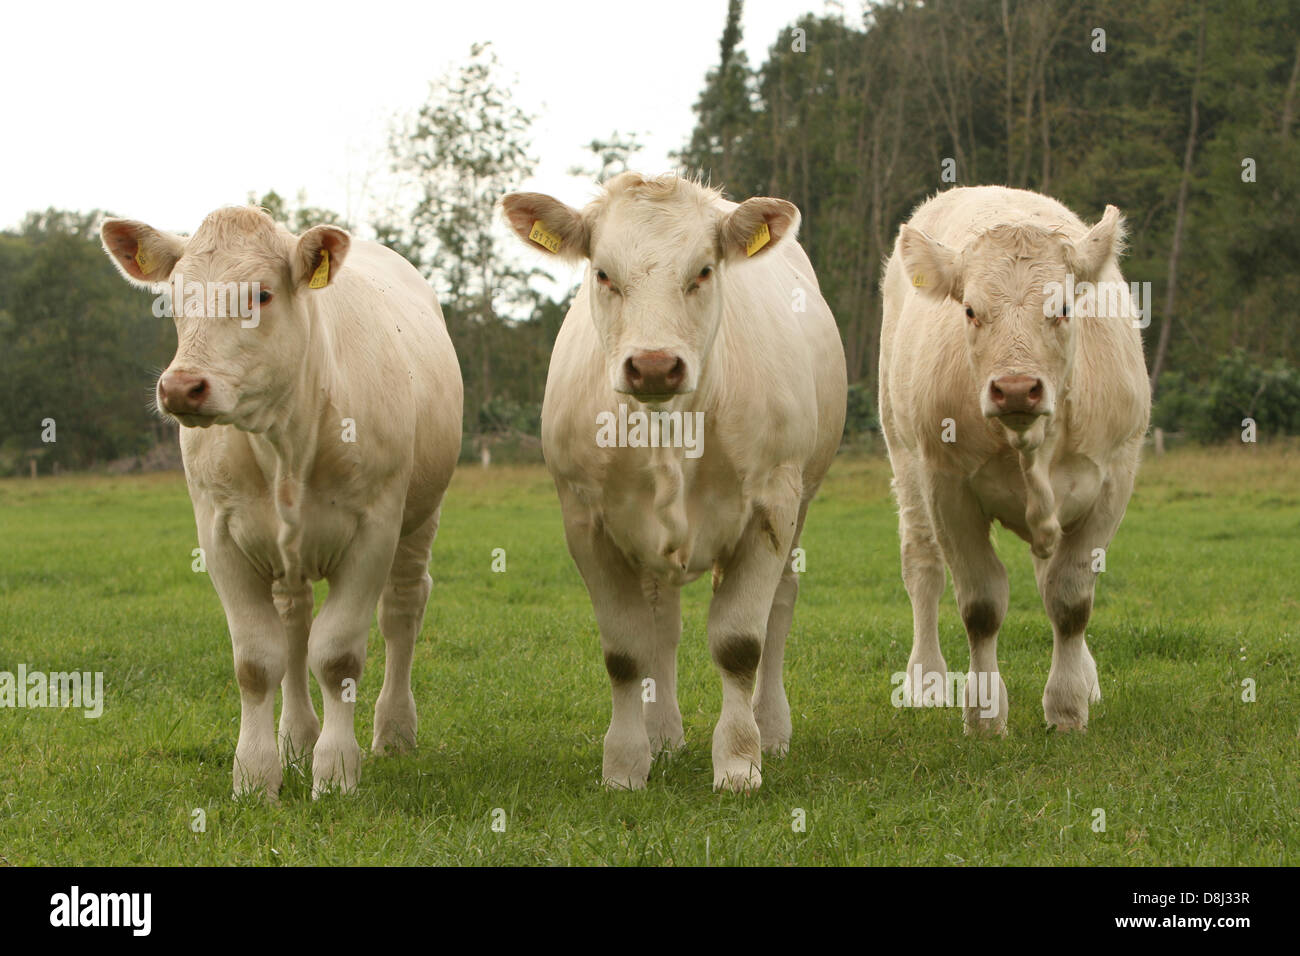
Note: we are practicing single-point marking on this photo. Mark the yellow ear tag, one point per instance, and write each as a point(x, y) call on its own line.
point(142, 260)
point(758, 240)
point(918, 280)
point(321, 277)
point(544, 238)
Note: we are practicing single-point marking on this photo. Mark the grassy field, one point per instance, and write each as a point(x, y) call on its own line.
point(1201, 592)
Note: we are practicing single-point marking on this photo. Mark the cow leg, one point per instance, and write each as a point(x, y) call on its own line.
point(980, 582)
point(663, 719)
point(627, 633)
point(337, 649)
point(1066, 582)
point(738, 622)
point(926, 682)
point(258, 640)
point(771, 707)
point(401, 615)
point(299, 727)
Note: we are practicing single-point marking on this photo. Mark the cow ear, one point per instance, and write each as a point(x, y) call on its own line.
point(931, 266)
point(319, 256)
point(1104, 242)
point(545, 223)
point(756, 225)
point(141, 253)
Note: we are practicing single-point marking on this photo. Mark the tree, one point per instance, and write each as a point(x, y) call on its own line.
point(297, 217)
point(613, 153)
point(467, 147)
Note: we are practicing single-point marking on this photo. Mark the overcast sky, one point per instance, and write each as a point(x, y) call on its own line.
point(165, 113)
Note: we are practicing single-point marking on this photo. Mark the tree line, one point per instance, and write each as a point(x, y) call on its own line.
point(1182, 114)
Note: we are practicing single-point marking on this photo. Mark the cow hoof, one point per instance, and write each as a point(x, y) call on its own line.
point(926, 684)
point(774, 727)
point(665, 732)
point(739, 775)
point(395, 725)
point(624, 783)
point(1065, 701)
point(256, 790)
point(985, 727)
point(257, 772)
point(985, 713)
point(335, 769)
point(393, 740)
point(297, 738)
point(667, 744)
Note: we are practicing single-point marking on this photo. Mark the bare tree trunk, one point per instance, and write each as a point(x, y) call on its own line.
point(1175, 248)
point(1045, 183)
point(1288, 104)
point(1006, 31)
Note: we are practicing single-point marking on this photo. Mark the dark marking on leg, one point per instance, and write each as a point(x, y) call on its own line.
point(337, 669)
point(981, 619)
point(738, 655)
point(1071, 619)
point(252, 679)
point(622, 668)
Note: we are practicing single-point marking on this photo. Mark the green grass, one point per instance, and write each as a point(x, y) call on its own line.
point(1202, 590)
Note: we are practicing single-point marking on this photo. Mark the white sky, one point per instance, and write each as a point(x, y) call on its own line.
point(163, 113)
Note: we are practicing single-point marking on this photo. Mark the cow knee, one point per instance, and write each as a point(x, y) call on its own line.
point(333, 669)
point(1070, 618)
point(257, 676)
point(982, 619)
point(622, 668)
point(737, 656)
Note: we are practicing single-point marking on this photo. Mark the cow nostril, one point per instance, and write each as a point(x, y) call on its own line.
point(632, 372)
point(197, 390)
point(1036, 392)
point(996, 393)
point(677, 373)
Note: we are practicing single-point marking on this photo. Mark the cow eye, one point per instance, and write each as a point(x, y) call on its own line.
point(706, 272)
point(601, 277)
point(264, 297)
point(1065, 310)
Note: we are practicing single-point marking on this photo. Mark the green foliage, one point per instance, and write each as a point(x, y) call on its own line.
point(1238, 387)
point(468, 147)
point(298, 217)
point(861, 417)
point(854, 122)
point(80, 347)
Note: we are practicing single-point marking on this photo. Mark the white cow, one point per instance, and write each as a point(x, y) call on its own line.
point(320, 437)
point(1007, 393)
point(706, 314)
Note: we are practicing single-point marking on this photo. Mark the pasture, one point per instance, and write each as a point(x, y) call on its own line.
point(1201, 592)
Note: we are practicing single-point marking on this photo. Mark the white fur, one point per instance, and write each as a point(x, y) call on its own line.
point(1064, 482)
point(281, 499)
point(642, 522)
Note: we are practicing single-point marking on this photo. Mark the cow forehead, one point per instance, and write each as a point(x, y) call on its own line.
point(649, 235)
point(236, 243)
point(1017, 244)
point(1015, 260)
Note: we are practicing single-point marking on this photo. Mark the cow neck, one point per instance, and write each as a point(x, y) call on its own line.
point(294, 441)
point(1040, 500)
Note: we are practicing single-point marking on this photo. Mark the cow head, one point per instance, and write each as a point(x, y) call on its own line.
point(657, 251)
point(240, 293)
point(1006, 286)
